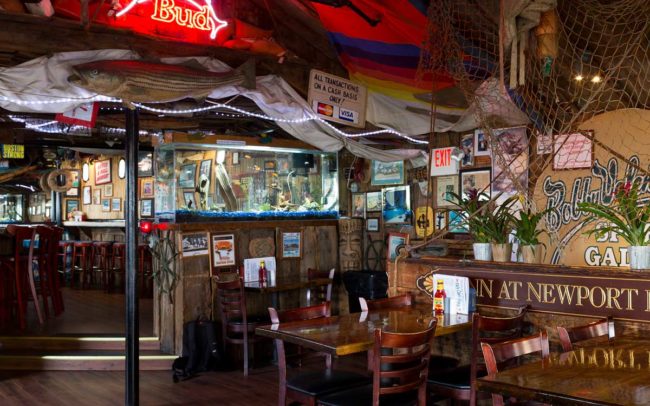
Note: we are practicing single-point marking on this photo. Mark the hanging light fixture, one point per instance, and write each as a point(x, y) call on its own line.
point(121, 168)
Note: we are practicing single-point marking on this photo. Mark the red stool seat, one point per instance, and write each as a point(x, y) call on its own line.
point(82, 262)
point(118, 265)
point(102, 260)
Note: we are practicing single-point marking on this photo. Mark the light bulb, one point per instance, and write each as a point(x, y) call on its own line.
point(579, 78)
point(596, 79)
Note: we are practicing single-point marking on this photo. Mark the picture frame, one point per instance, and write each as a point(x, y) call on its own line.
point(87, 195)
point(70, 206)
point(456, 223)
point(187, 177)
point(358, 205)
point(97, 196)
point(205, 168)
point(386, 173)
point(108, 190)
point(440, 219)
point(106, 205)
point(194, 244)
point(146, 187)
point(467, 146)
point(116, 204)
point(291, 244)
point(223, 250)
point(396, 205)
point(102, 172)
point(145, 164)
point(235, 158)
point(445, 185)
point(573, 151)
point(478, 179)
point(481, 144)
point(146, 208)
point(190, 199)
point(373, 202)
point(394, 241)
point(74, 190)
point(372, 224)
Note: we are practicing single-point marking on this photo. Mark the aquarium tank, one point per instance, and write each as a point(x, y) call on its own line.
point(204, 182)
point(11, 208)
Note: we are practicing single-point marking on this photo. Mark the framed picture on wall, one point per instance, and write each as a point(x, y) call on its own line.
point(467, 146)
point(235, 158)
point(387, 173)
point(373, 201)
point(145, 164)
point(190, 201)
point(223, 250)
point(478, 180)
point(74, 190)
point(396, 205)
point(102, 172)
point(71, 205)
point(108, 190)
point(116, 204)
point(193, 244)
point(206, 166)
point(87, 196)
point(573, 151)
point(444, 186)
point(187, 177)
point(106, 204)
point(146, 208)
point(97, 196)
point(457, 223)
point(291, 244)
point(146, 187)
point(395, 241)
point(358, 205)
point(440, 219)
point(372, 224)
point(481, 144)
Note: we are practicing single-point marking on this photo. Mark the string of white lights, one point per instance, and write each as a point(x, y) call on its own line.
point(61, 100)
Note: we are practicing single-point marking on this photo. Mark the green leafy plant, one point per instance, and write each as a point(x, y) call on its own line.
point(624, 216)
point(500, 222)
point(525, 227)
point(473, 211)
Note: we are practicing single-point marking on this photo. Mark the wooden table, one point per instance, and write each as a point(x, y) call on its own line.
point(352, 333)
point(274, 288)
point(617, 373)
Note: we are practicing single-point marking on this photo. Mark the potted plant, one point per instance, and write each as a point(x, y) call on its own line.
point(474, 212)
point(499, 224)
point(527, 235)
point(625, 217)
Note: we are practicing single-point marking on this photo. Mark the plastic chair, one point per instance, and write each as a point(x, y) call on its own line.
point(599, 328)
point(307, 387)
point(320, 293)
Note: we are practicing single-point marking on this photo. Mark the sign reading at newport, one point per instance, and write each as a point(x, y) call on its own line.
point(336, 99)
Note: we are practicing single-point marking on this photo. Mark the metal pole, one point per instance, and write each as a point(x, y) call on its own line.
point(130, 215)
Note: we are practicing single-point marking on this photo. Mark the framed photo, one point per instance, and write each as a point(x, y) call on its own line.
point(190, 201)
point(97, 196)
point(291, 244)
point(373, 201)
point(387, 173)
point(74, 190)
point(481, 144)
point(397, 205)
point(544, 143)
point(145, 164)
point(71, 205)
point(573, 151)
point(102, 172)
point(116, 204)
point(512, 141)
point(467, 146)
point(395, 241)
point(444, 186)
point(235, 158)
point(223, 250)
point(372, 224)
point(206, 166)
point(194, 244)
point(517, 168)
point(440, 219)
point(146, 187)
point(87, 195)
point(457, 222)
point(108, 190)
point(106, 204)
point(478, 180)
point(186, 179)
point(146, 208)
point(358, 205)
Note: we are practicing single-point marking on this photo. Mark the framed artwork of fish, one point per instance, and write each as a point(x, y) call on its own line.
point(102, 172)
point(187, 176)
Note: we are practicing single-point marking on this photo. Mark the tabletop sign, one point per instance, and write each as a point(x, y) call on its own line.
point(336, 99)
point(423, 221)
point(442, 162)
point(13, 151)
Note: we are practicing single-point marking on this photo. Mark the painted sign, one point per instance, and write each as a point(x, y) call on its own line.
point(561, 190)
point(83, 115)
point(336, 99)
point(181, 20)
point(13, 151)
point(423, 221)
point(443, 162)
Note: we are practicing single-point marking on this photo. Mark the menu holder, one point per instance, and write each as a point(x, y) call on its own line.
point(252, 267)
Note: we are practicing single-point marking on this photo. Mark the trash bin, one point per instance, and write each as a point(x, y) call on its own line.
point(366, 284)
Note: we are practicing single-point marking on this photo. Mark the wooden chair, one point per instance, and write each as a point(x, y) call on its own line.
point(49, 287)
point(387, 303)
point(320, 294)
point(236, 326)
point(599, 328)
point(307, 387)
point(459, 383)
point(399, 374)
point(498, 354)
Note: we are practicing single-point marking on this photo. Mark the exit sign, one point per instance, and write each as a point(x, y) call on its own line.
point(13, 151)
point(442, 162)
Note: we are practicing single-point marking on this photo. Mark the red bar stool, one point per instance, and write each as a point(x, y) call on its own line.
point(65, 252)
point(118, 265)
point(82, 261)
point(102, 260)
point(145, 270)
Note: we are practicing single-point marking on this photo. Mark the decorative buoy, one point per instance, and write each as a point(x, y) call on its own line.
point(42, 182)
point(53, 183)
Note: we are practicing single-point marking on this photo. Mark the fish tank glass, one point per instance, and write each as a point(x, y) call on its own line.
point(213, 182)
point(11, 208)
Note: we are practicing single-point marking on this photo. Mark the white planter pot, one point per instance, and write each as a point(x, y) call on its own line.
point(482, 251)
point(501, 252)
point(639, 257)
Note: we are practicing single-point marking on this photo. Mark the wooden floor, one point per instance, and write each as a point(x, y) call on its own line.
point(88, 312)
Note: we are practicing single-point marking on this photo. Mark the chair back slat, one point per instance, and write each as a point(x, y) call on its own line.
point(302, 313)
point(570, 335)
point(320, 293)
point(387, 303)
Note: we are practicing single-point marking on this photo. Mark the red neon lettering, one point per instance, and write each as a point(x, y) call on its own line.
point(167, 11)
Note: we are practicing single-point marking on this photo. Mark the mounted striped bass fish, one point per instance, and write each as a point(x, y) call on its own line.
point(140, 81)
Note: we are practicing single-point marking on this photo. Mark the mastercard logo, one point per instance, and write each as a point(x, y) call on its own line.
point(325, 109)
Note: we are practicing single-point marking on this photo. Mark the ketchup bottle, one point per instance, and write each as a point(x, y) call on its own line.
point(262, 273)
point(439, 298)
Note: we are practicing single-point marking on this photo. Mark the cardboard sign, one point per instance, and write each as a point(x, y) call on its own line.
point(84, 115)
point(336, 99)
point(442, 162)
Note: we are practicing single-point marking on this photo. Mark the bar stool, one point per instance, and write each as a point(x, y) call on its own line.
point(65, 247)
point(102, 260)
point(145, 270)
point(82, 261)
point(118, 265)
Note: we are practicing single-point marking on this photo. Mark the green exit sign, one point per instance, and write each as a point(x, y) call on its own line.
point(13, 151)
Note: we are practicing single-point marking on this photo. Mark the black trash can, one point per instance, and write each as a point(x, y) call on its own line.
point(366, 284)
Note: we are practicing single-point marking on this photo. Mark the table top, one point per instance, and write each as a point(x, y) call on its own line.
point(348, 334)
point(284, 285)
point(616, 373)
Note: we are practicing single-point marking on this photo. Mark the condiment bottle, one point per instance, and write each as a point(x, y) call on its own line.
point(262, 273)
point(439, 298)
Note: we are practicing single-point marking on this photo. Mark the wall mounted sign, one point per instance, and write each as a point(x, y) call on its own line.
point(337, 99)
point(223, 250)
point(13, 151)
point(84, 115)
point(102, 172)
point(443, 161)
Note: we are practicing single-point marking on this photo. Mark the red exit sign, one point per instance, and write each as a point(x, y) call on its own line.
point(443, 162)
